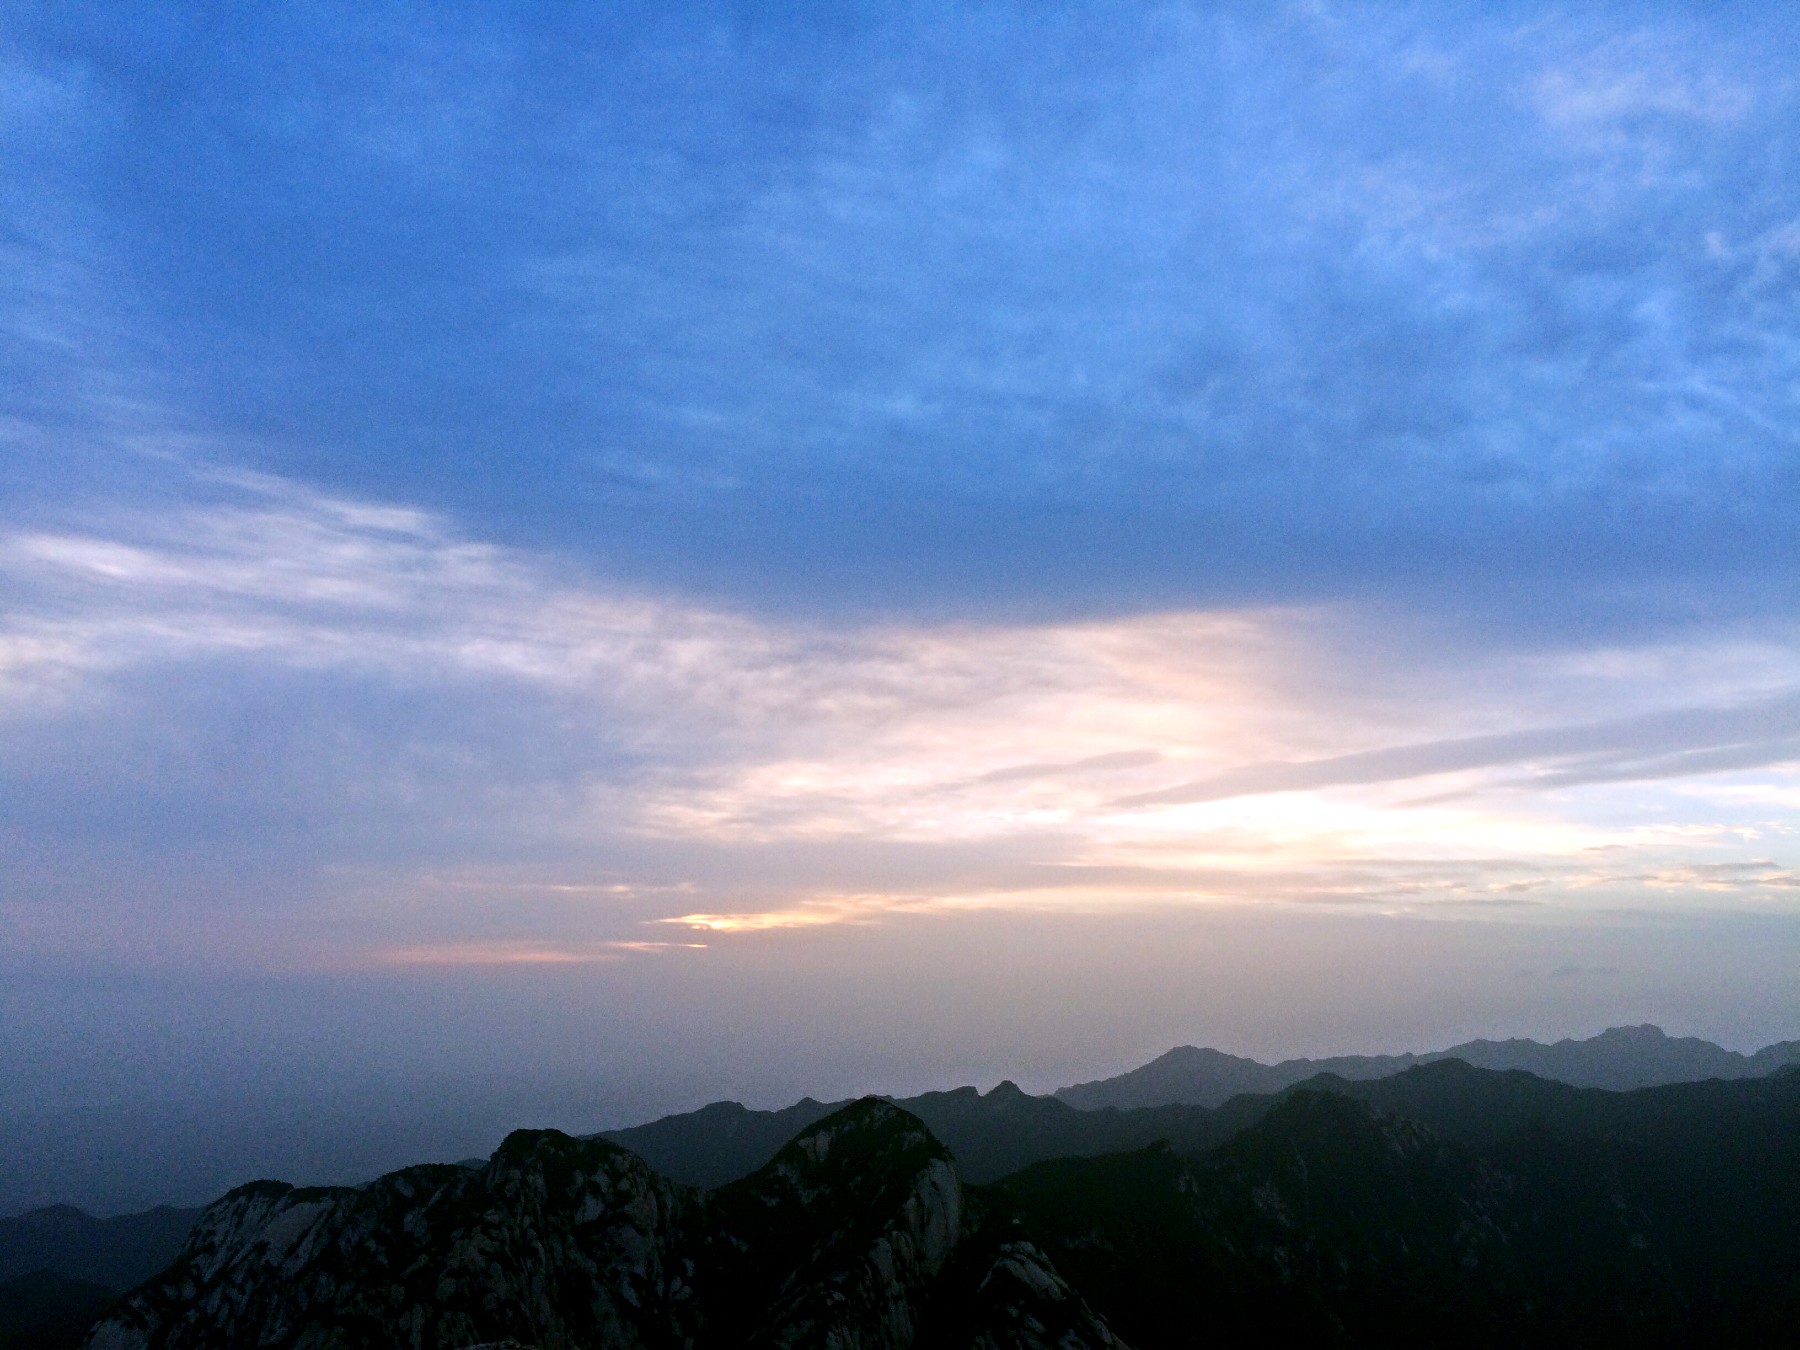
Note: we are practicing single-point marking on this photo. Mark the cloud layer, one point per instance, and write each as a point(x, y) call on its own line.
point(445, 746)
point(949, 311)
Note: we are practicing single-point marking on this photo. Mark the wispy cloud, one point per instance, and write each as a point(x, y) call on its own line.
point(994, 310)
point(733, 772)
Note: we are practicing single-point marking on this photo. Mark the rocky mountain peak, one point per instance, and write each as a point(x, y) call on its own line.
point(576, 1244)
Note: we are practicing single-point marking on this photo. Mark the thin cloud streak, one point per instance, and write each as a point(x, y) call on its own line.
point(1123, 759)
point(1661, 745)
point(528, 953)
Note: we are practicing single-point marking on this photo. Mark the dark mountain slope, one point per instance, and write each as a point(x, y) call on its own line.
point(1713, 1167)
point(720, 1142)
point(1479, 1106)
point(990, 1135)
point(1533, 1213)
point(1619, 1058)
point(42, 1310)
point(1327, 1223)
point(116, 1253)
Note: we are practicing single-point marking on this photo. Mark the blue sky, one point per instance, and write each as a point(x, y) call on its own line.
point(695, 521)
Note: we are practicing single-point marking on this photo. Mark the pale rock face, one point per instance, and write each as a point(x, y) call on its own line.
point(862, 1286)
point(436, 1257)
point(114, 1335)
point(1034, 1308)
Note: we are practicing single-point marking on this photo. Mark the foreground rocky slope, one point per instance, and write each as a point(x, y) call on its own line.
point(845, 1239)
point(560, 1241)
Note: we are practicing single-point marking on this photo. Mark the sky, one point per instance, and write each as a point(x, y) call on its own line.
point(558, 564)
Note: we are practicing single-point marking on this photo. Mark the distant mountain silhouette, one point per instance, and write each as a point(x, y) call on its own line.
point(1620, 1058)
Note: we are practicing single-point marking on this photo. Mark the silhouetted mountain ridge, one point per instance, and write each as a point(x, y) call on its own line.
point(1619, 1058)
point(114, 1253)
point(1006, 1129)
point(991, 1134)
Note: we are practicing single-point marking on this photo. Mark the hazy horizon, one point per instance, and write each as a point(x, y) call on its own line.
point(559, 566)
point(130, 1152)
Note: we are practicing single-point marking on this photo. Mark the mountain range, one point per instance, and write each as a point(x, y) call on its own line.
point(1619, 1058)
point(1696, 1158)
point(1195, 1098)
point(1443, 1205)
